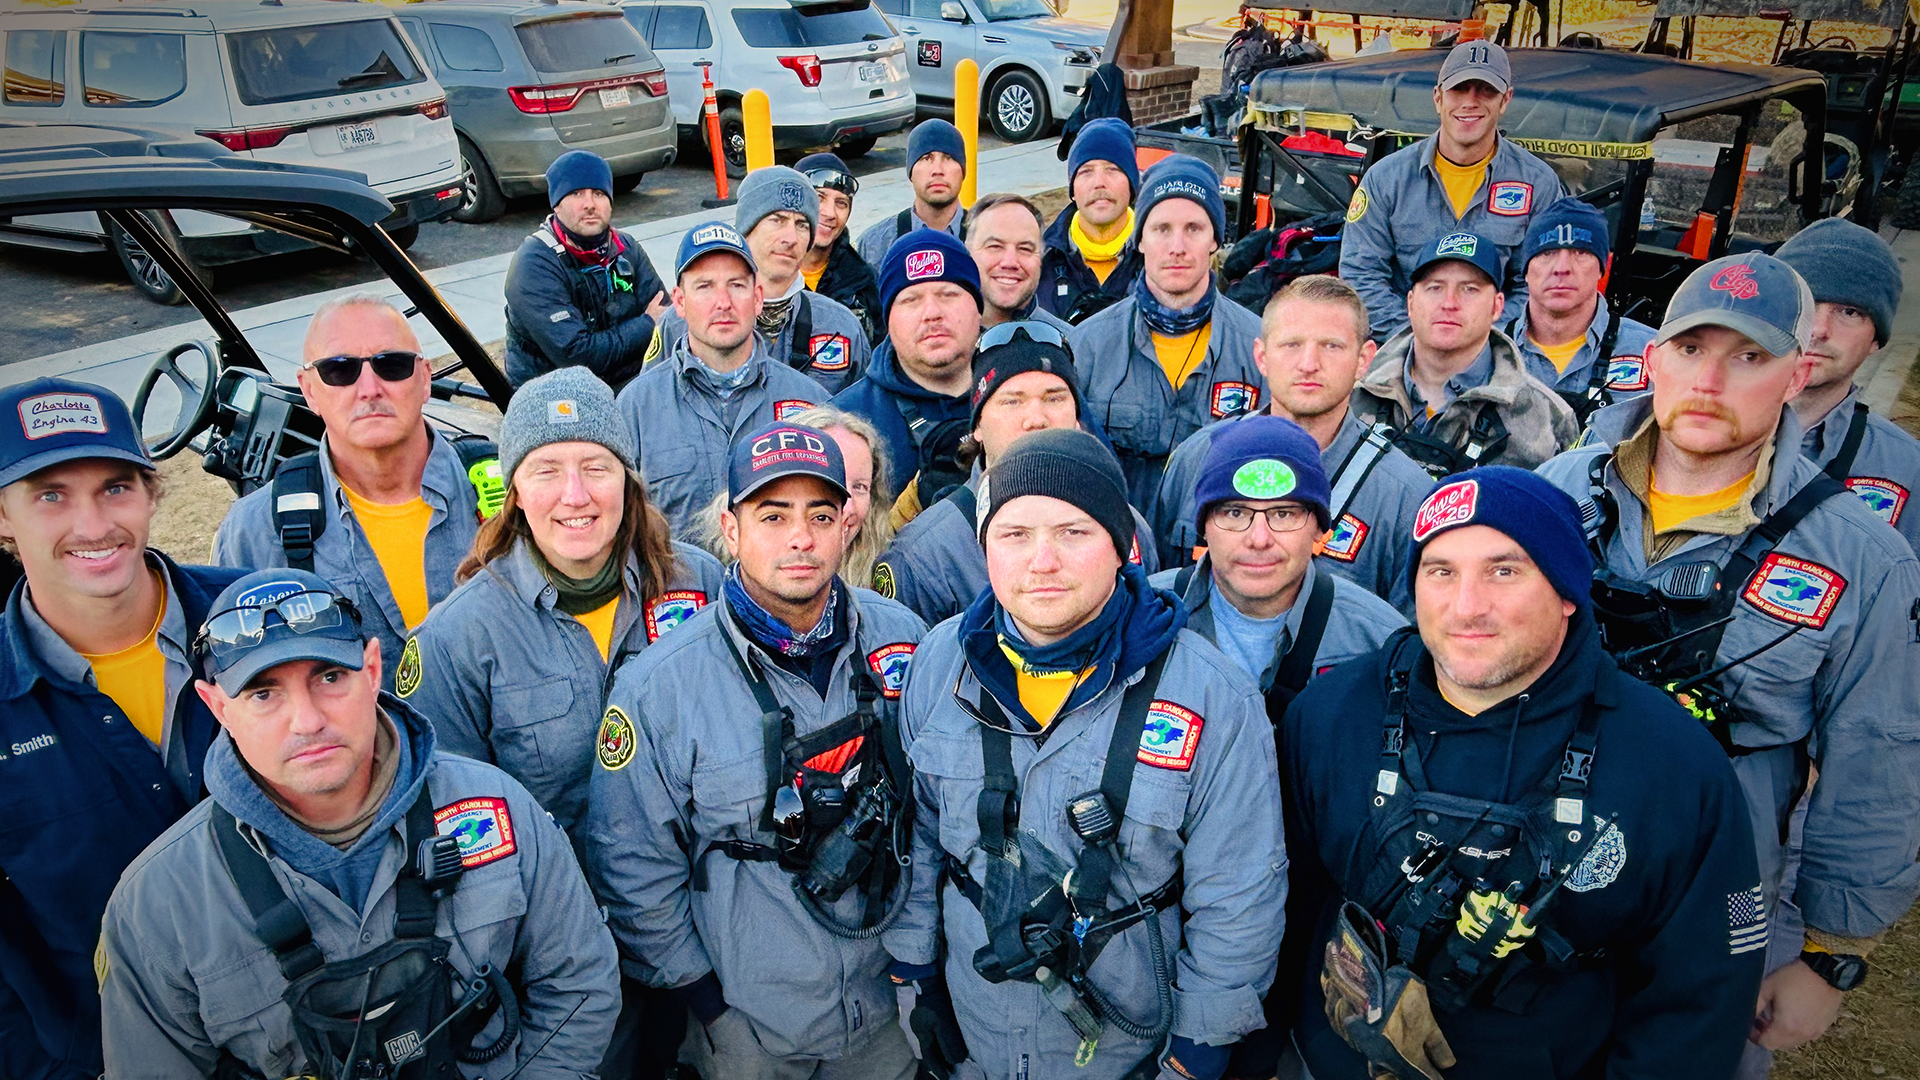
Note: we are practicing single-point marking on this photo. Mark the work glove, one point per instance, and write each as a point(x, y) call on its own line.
point(1189, 1060)
point(926, 1012)
point(1380, 1011)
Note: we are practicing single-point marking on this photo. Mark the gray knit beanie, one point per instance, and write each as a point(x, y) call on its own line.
point(770, 190)
point(569, 404)
point(1845, 263)
point(1066, 464)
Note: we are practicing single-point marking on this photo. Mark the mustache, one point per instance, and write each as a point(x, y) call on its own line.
point(808, 561)
point(1701, 405)
point(115, 538)
point(373, 408)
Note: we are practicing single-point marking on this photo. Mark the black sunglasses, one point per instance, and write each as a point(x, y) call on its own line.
point(835, 180)
point(395, 365)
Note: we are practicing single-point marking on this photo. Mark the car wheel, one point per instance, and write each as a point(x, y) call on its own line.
point(733, 140)
point(625, 184)
point(1017, 107)
point(482, 200)
point(404, 236)
point(143, 269)
point(857, 147)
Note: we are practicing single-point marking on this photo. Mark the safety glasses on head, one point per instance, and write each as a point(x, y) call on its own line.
point(835, 180)
point(1032, 329)
point(236, 630)
point(394, 365)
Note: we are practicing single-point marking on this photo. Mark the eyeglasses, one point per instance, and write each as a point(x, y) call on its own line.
point(835, 180)
point(391, 366)
point(1032, 329)
point(1234, 517)
point(236, 630)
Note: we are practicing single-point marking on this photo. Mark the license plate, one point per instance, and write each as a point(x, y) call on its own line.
point(873, 72)
point(355, 136)
point(615, 97)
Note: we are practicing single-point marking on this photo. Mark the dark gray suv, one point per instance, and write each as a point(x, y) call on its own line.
point(529, 81)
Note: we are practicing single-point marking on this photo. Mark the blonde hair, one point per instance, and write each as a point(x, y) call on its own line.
point(1318, 289)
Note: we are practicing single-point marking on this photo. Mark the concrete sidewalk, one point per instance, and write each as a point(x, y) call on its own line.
point(475, 290)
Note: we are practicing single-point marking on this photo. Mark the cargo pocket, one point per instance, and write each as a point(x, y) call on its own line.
point(527, 718)
point(243, 1012)
point(956, 772)
point(1150, 831)
point(727, 795)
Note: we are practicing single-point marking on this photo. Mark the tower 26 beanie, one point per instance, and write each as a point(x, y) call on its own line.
point(1541, 518)
point(568, 404)
point(1066, 464)
point(1848, 264)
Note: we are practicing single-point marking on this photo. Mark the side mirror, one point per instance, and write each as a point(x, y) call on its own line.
point(953, 12)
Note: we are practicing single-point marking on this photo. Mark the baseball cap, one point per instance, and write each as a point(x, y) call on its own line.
point(1460, 247)
point(49, 421)
point(706, 239)
point(780, 450)
point(1480, 61)
point(272, 617)
point(1755, 294)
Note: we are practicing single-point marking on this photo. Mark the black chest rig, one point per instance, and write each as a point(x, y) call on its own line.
point(1047, 922)
point(1667, 633)
point(836, 808)
point(1459, 886)
point(1486, 440)
point(400, 1011)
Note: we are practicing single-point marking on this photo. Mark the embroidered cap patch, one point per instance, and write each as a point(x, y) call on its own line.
point(480, 826)
point(1448, 506)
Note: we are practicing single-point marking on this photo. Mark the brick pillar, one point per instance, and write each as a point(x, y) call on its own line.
point(1159, 93)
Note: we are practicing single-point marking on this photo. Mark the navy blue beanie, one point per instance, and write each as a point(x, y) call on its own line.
point(1541, 518)
point(574, 170)
point(927, 255)
point(1261, 457)
point(1105, 139)
point(1568, 223)
point(1179, 176)
point(935, 136)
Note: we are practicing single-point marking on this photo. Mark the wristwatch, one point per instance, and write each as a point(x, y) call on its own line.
point(1841, 971)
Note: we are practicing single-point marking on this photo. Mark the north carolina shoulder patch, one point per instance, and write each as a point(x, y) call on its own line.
point(1170, 736)
point(406, 677)
point(1234, 397)
point(1345, 538)
point(830, 352)
point(1510, 198)
point(889, 665)
point(1882, 496)
point(670, 609)
point(1627, 373)
point(787, 408)
point(480, 826)
point(1795, 590)
point(616, 741)
point(883, 580)
point(1357, 209)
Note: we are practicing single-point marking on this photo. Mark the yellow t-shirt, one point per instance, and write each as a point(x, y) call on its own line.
point(397, 532)
point(1561, 355)
point(1042, 693)
point(1102, 268)
point(136, 677)
point(599, 623)
point(813, 276)
point(1672, 510)
point(1461, 181)
point(1181, 356)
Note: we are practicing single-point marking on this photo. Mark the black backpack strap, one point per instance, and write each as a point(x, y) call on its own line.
point(1182, 579)
point(1842, 464)
point(776, 725)
point(799, 343)
point(473, 449)
point(277, 922)
point(1763, 539)
point(1296, 667)
point(903, 223)
point(413, 904)
point(1094, 878)
point(967, 501)
point(299, 510)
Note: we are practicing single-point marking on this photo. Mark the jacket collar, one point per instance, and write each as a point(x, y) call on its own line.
point(684, 360)
point(1386, 379)
point(1503, 152)
point(756, 654)
point(438, 481)
point(883, 369)
point(1824, 438)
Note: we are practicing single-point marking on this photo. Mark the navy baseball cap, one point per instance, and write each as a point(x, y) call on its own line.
point(1568, 223)
point(780, 450)
point(1463, 247)
point(50, 421)
point(1754, 294)
point(272, 617)
point(709, 238)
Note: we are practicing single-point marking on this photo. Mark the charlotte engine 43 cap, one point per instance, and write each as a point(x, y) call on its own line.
point(50, 421)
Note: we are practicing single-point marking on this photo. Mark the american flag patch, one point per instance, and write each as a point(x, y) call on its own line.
point(1746, 921)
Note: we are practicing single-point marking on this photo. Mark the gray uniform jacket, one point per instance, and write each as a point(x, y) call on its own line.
point(1847, 679)
point(510, 679)
point(1357, 623)
point(834, 354)
point(936, 565)
point(1886, 469)
point(880, 235)
point(186, 977)
point(694, 773)
point(1214, 822)
point(1626, 371)
point(1401, 206)
point(686, 431)
point(1376, 492)
point(1124, 389)
point(342, 556)
point(1539, 424)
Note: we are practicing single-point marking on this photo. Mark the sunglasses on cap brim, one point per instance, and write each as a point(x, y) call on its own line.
point(235, 630)
point(395, 365)
point(1032, 329)
point(834, 179)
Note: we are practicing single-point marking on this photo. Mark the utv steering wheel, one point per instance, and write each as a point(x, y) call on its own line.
point(196, 398)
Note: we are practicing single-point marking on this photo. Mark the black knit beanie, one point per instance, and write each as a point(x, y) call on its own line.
point(993, 367)
point(1066, 464)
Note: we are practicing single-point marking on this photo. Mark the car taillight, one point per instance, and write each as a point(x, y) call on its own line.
point(238, 139)
point(654, 82)
point(807, 67)
point(545, 99)
point(435, 109)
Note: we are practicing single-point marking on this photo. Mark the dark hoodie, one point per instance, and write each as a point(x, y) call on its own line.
point(350, 873)
point(1064, 276)
point(878, 396)
point(848, 279)
point(1668, 997)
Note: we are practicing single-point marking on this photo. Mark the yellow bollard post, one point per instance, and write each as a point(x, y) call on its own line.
point(966, 117)
point(756, 114)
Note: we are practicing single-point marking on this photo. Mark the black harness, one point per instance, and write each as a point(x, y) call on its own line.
point(1596, 395)
point(1841, 466)
point(1296, 664)
point(299, 507)
point(800, 344)
point(1486, 439)
point(391, 1012)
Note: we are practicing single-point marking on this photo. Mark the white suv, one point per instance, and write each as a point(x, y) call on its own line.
point(333, 83)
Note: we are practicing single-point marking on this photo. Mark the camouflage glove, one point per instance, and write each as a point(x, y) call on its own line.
point(1380, 1011)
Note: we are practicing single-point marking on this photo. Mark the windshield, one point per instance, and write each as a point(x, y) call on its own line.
point(845, 22)
point(1002, 10)
point(292, 63)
